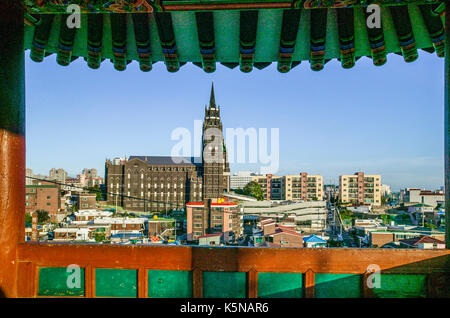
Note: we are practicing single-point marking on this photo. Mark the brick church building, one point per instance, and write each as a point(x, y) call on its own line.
point(163, 183)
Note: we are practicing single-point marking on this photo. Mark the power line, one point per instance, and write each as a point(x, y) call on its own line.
point(91, 189)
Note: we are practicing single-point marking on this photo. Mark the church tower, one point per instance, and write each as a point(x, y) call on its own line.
point(216, 170)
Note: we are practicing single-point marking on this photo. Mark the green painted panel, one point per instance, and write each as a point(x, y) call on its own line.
point(185, 30)
point(362, 46)
point(390, 35)
point(131, 40)
point(115, 282)
point(332, 45)
point(302, 43)
point(224, 285)
point(59, 281)
point(420, 31)
point(337, 286)
point(268, 35)
point(226, 33)
point(169, 284)
point(280, 285)
point(401, 286)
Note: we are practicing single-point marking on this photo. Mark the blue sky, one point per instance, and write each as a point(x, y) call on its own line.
point(386, 120)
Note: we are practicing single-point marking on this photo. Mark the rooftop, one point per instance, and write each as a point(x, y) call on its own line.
point(168, 160)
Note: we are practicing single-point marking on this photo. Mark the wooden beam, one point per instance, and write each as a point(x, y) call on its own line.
point(12, 143)
point(252, 283)
point(447, 125)
point(310, 282)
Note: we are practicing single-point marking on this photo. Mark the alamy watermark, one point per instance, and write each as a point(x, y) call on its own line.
point(74, 19)
point(374, 279)
point(74, 278)
point(244, 146)
point(374, 18)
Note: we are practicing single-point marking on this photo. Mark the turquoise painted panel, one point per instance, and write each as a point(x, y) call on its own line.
point(115, 282)
point(338, 286)
point(280, 285)
point(169, 284)
point(224, 285)
point(61, 281)
point(401, 286)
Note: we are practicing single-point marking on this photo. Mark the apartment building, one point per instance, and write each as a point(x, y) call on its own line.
point(303, 187)
point(85, 201)
point(59, 175)
point(272, 186)
point(42, 195)
point(360, 188)
point(241, 179)
point(291, 187)
point(212, 216)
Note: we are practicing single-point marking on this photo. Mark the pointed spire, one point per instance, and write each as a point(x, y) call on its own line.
point(212, 100)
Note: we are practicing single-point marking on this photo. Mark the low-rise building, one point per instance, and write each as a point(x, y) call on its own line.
point(241, 179)
point(161, 227)
point(213, 216)
point(315, 241)
point(85, 201)
point(89, 215)
point(307, 216)
point(73, 234)
point(431, 198)
point(272, 234)
point(423, 242)
point(395, 234)
point(42, 195)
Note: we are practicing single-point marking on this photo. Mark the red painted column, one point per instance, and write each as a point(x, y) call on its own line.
point(12, 142)
point(447, 125)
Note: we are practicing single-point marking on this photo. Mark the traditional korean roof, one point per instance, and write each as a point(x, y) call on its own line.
point(245, 33)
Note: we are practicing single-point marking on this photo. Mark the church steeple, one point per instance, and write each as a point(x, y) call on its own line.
point(212, 100)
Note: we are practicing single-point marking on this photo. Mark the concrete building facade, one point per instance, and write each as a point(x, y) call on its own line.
point(360, 188)
point(213, 217)
point(304, 187)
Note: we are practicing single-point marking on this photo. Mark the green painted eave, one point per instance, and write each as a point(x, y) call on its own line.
point(226, 24)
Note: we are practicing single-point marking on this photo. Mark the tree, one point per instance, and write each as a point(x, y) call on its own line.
point(28, 218)
point(42, 216)
point(383, 200)
point(254, 189)
point(97, 191)
point(99, 236)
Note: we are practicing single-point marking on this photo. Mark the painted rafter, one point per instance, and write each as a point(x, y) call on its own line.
point(135, 6)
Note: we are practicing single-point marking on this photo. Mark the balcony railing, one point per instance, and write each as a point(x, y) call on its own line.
point(155, 271)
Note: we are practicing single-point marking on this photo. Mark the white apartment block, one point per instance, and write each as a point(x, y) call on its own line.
point(241, 179)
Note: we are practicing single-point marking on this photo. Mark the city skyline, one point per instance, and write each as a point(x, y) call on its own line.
point(399, 137)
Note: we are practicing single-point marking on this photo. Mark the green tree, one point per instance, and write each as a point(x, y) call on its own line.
point(28, 218)
point(254, 189)
point(99, 236)
point(96, 189)
point(42, 216)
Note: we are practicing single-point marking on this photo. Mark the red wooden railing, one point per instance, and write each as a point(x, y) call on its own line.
point(31, 256)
